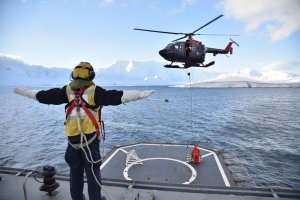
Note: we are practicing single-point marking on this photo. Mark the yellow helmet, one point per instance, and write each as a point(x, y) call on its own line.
point(83, 70)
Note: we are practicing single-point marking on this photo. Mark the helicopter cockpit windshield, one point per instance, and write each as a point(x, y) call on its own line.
point(173, 47)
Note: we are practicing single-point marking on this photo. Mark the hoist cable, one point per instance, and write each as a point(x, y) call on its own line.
point(192, 96)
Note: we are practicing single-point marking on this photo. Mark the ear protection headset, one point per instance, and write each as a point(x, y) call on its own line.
point(83, 70)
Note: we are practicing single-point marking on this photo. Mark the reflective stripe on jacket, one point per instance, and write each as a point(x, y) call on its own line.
point(87, 125)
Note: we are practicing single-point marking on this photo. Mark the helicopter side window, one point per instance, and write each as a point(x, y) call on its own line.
point(176, 46)
point(182, 46)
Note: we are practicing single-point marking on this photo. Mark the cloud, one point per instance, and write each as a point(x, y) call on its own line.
point(120, 3)
point(106, 2)
point(279, 70)
point(184, 4)
point(281, 65)
point(170, 9)
point(274, 76)
point(158, 6)
point(246, 73)
point(263, 76)
point(275, 71)
point(279, 19)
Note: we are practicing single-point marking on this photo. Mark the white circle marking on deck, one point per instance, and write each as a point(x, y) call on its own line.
point(192, 178)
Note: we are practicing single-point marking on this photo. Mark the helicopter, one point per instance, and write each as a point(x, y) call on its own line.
point(191, 52)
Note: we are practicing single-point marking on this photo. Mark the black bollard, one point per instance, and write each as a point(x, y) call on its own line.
point(49, 183)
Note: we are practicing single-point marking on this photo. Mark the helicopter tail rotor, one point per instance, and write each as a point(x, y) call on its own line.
point(234, 42)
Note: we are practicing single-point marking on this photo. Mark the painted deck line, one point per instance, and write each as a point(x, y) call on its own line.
point(221, 170)
point(206, 155)
point(109, 158)
point(124, 150)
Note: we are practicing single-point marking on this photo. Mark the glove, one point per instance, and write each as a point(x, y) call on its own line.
point(27, 93)
point(132, 95)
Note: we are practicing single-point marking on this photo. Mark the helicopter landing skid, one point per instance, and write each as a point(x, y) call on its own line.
point(199, 65)
point(208, 65)
point(173, 66)
point(186, 65)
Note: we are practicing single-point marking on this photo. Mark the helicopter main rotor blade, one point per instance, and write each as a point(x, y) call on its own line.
point(180, 38)
point(174, 33)
point(215, 34)
point(208, 23)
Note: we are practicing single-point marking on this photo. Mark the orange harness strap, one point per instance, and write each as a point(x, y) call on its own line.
point(78, 100)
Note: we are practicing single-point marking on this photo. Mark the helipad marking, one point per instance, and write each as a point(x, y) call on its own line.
point(192, 178)
point(108, 159)
point(225, 179)
point(206, 155)
point(123, 150)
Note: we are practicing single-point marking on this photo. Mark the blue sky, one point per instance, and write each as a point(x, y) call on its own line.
point(61, 33)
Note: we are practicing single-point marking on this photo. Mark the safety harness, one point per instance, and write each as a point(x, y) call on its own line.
point(78, 102)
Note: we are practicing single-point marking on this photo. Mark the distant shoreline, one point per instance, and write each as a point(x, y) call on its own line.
point(170, 86)
point(239, 84)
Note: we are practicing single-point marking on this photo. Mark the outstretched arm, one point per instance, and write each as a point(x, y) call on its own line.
point(117, 97)
point(54, 96)
point(132, 95)
point(25, 92)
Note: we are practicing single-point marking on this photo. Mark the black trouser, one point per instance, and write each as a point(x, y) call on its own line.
point(77, 161)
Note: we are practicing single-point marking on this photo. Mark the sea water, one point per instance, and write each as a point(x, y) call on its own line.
point(260, 126)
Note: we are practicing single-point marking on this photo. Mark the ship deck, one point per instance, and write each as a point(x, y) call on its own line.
point(155, 171)
point(166, 163)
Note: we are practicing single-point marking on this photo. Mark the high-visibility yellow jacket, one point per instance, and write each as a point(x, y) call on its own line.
point(87, 125)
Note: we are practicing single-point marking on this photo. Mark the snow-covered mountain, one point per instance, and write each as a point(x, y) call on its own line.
point(15, 72)
point(146, 73)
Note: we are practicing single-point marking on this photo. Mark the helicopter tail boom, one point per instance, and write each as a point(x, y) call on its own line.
point(228, 49)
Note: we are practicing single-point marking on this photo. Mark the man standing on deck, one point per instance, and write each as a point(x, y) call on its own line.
point(84, 100)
